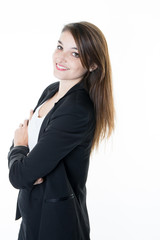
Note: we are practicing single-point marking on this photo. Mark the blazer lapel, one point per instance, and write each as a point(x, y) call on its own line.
point(52, 91)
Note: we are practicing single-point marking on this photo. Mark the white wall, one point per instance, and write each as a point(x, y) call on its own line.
point(124, 181)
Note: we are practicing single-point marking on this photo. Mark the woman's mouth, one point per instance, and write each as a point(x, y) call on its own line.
point(61, 67)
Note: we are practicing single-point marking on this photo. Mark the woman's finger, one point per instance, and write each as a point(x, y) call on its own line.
point(31, 114)
point(39, 181)
point(25, 124)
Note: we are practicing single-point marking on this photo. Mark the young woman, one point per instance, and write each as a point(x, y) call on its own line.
point(49, 158)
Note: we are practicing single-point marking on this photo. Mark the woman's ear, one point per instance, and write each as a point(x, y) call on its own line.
point(93, 67)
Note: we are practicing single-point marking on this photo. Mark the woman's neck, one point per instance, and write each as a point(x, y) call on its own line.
point(64, 86)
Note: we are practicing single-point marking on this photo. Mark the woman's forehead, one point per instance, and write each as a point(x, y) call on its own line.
point(66, 39)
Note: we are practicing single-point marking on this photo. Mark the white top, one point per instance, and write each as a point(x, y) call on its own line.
point(34, 128)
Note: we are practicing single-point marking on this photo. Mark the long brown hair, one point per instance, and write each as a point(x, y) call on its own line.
point(93, 51)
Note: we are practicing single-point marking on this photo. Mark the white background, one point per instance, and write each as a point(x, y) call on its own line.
point(124, 181)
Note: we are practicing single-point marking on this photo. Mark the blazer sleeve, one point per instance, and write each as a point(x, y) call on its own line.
point(64, 132)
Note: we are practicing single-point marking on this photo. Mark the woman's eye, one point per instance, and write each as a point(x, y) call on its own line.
point(75, 54)
point(59, 47)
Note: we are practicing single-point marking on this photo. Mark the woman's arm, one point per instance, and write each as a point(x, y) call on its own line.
point(64, 132)
point(21, 139)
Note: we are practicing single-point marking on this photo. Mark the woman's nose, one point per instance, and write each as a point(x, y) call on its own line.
point(62, 56)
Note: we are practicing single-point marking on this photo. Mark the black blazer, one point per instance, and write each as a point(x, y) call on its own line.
point(56, 209)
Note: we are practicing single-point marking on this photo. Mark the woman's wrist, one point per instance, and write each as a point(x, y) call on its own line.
point(23, 145)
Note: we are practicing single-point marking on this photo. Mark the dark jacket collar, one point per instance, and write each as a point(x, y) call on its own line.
point(53, 88)
point(77, 86)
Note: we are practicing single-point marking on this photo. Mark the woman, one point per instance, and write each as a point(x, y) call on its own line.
point(49, 158)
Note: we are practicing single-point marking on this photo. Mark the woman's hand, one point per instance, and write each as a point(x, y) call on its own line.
point(21, 138)
point(21, 133)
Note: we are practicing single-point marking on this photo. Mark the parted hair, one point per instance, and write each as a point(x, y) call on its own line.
point(94, 56)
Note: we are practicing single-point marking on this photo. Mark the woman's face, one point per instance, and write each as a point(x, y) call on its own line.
point(66, 61)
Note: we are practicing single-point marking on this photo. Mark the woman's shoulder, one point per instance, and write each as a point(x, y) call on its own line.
point(77, 103)
point(81, 98)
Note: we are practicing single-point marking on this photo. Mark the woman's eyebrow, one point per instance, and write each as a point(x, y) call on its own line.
point(71, 48)
point(60, 42)
point(74, 48)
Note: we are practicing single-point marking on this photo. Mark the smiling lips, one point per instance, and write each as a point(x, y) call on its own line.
point(60, 67)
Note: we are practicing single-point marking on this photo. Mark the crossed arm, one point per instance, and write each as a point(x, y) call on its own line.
point(21, 138)
point(65, 131)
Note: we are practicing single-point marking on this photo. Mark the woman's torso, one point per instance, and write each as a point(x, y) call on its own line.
point(69, 177)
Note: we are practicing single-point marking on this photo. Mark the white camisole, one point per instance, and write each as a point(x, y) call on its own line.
point(34, 128)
